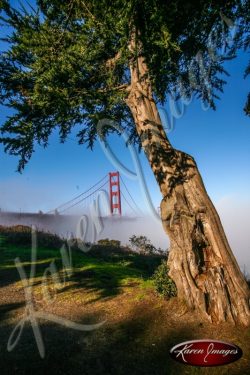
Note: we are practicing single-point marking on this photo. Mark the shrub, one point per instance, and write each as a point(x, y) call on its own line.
point(142, 245)
point(21, 235)
point(163, 284)
point(108, 242)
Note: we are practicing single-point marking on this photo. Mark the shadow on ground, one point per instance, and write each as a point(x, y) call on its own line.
point(136, 345)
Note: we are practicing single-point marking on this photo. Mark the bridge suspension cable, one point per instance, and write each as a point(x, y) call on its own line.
point(137, 207)
point(83, 197)
point(61, 207)
point(128, 202)
point(81, 200)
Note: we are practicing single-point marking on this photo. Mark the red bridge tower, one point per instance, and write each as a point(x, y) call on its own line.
point(115, 193)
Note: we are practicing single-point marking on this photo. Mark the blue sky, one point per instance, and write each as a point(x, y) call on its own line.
point(219, 140)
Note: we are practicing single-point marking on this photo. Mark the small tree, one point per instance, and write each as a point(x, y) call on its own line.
point(142, 245)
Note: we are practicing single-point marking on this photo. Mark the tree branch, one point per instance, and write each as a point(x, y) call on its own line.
point(123, 87)
point(110, 63)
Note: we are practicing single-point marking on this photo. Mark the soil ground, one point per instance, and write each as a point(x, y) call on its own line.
point(138, 329)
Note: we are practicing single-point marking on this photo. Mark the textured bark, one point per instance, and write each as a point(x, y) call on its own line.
point(201, 262)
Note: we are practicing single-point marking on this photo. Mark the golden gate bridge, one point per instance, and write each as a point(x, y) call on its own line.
point(65, 217)
point(118, 192)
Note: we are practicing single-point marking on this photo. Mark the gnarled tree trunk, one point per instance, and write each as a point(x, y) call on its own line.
point(200, 262)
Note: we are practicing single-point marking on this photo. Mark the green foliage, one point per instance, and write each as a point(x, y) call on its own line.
point(108, 242)
point(145, 263)
point(67, 63)
point(163, 284)
point(243, 40)
point(247, 105)
point(21, 235)
point(143, 245)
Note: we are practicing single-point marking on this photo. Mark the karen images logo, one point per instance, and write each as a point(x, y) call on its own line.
point(205, 353)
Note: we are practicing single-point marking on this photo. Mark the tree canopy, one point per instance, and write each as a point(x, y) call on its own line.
point(67, 63)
